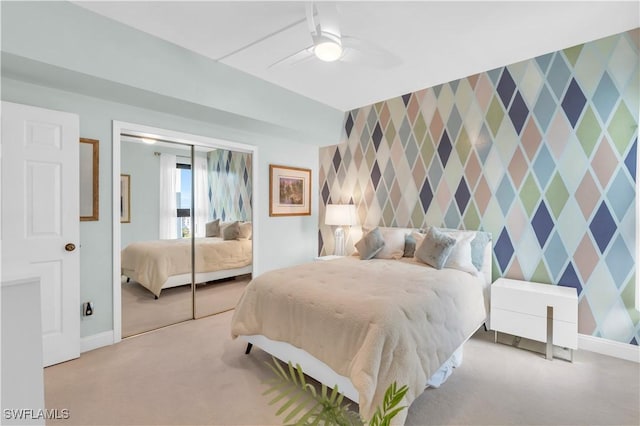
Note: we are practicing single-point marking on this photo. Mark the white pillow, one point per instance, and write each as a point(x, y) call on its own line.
point(393, 243)
point(212, 229)
point(460, 256)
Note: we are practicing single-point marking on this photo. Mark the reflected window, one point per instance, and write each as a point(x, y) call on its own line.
point(183, 200)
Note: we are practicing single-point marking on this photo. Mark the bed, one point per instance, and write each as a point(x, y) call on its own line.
point(161, 264)
point(363, 324)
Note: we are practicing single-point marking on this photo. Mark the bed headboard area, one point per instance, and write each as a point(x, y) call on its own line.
point(395, 243)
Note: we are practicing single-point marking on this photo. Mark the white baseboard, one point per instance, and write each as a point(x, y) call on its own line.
point(96, 341)
point(609, 347)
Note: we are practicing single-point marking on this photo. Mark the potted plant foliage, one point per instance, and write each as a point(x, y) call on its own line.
point(302, 404)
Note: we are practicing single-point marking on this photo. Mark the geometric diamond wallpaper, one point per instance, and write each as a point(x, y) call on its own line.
point(540, 153)
point(230, 183)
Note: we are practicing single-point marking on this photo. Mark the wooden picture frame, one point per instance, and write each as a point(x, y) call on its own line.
point(89, 179)
point(289, 191)
point(125, 198)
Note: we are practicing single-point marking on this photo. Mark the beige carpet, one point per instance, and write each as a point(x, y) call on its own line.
point(141, 312)
point(193, 373)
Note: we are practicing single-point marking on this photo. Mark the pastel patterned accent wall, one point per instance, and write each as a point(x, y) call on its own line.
point(229, 185)
point(541, 153)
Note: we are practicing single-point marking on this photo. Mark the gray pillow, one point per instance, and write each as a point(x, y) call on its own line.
point(409, 245)
point(212, 229)
point(232, 231)
point(245, 231)
point(477, 248)
point(370, 244)
point(435, 248)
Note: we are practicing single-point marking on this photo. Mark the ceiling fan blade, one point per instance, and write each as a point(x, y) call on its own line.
point(310, 11)
point(360, 52)
point(327, 18)
point(300, 56)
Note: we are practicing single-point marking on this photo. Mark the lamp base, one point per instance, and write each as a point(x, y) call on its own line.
point(339, 241)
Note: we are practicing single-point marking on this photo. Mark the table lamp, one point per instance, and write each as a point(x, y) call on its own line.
point(340, 215)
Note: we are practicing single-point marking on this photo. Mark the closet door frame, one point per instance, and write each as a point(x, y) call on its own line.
point(119, 127)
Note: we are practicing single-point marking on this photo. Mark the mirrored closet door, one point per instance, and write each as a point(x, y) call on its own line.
point(186, 218)
point(223, 249)
point(155, 226)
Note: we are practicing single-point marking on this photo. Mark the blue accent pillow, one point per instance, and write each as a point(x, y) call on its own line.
point(478, 245)
point(409, 245)
point(370, 244)
point(435, 248)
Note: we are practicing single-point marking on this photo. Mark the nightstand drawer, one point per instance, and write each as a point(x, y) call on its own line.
point(533, 327)
point(533, 299)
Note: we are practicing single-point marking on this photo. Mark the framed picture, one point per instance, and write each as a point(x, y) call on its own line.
point(89, 179)
point(290, 191)
point(125, 198)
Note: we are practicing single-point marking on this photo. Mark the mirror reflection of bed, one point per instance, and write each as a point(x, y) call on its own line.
point(141, 312)
point(190, 209)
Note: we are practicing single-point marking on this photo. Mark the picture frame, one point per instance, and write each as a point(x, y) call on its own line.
point(125, 198)
point(290, 191)
point(89, 179)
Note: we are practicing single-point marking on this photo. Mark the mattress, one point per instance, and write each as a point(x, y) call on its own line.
point(373, 321)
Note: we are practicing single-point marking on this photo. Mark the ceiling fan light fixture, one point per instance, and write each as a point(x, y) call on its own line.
point(328, 51)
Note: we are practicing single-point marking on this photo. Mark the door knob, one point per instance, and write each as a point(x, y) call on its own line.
point(70, 247)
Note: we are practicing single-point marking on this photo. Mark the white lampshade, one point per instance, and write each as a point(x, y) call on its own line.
point(341, 215)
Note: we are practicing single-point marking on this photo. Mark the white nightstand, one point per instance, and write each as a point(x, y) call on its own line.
point(542, 312)
point(328, 257)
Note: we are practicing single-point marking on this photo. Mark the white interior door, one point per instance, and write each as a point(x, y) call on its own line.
point(40, 216)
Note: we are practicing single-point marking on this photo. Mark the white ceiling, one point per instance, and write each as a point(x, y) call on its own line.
point(434, 42)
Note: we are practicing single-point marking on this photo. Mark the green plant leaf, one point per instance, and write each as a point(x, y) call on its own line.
point(316, 421)
point(288, 403)
point(276, 388)
point(386, 421)
point(282, 394)
point(302, 400)
point(292, 373)
point(308, 415)
point(334, 394)
point(303, 382)
point(392, 397)
point(302, 405)
point(312, 389)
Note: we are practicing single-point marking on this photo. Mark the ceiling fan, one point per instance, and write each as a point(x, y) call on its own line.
point(328, 44)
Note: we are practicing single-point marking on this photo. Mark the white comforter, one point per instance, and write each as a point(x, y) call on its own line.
point(375, 321)
point(151, 263)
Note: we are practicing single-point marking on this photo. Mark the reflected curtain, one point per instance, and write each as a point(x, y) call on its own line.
point(201, 191)
point(168, 189)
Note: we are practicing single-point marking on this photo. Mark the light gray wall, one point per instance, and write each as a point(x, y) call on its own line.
point(62, 57)
point(281, 241)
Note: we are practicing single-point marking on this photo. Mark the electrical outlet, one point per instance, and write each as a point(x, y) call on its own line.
point(87, 309)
